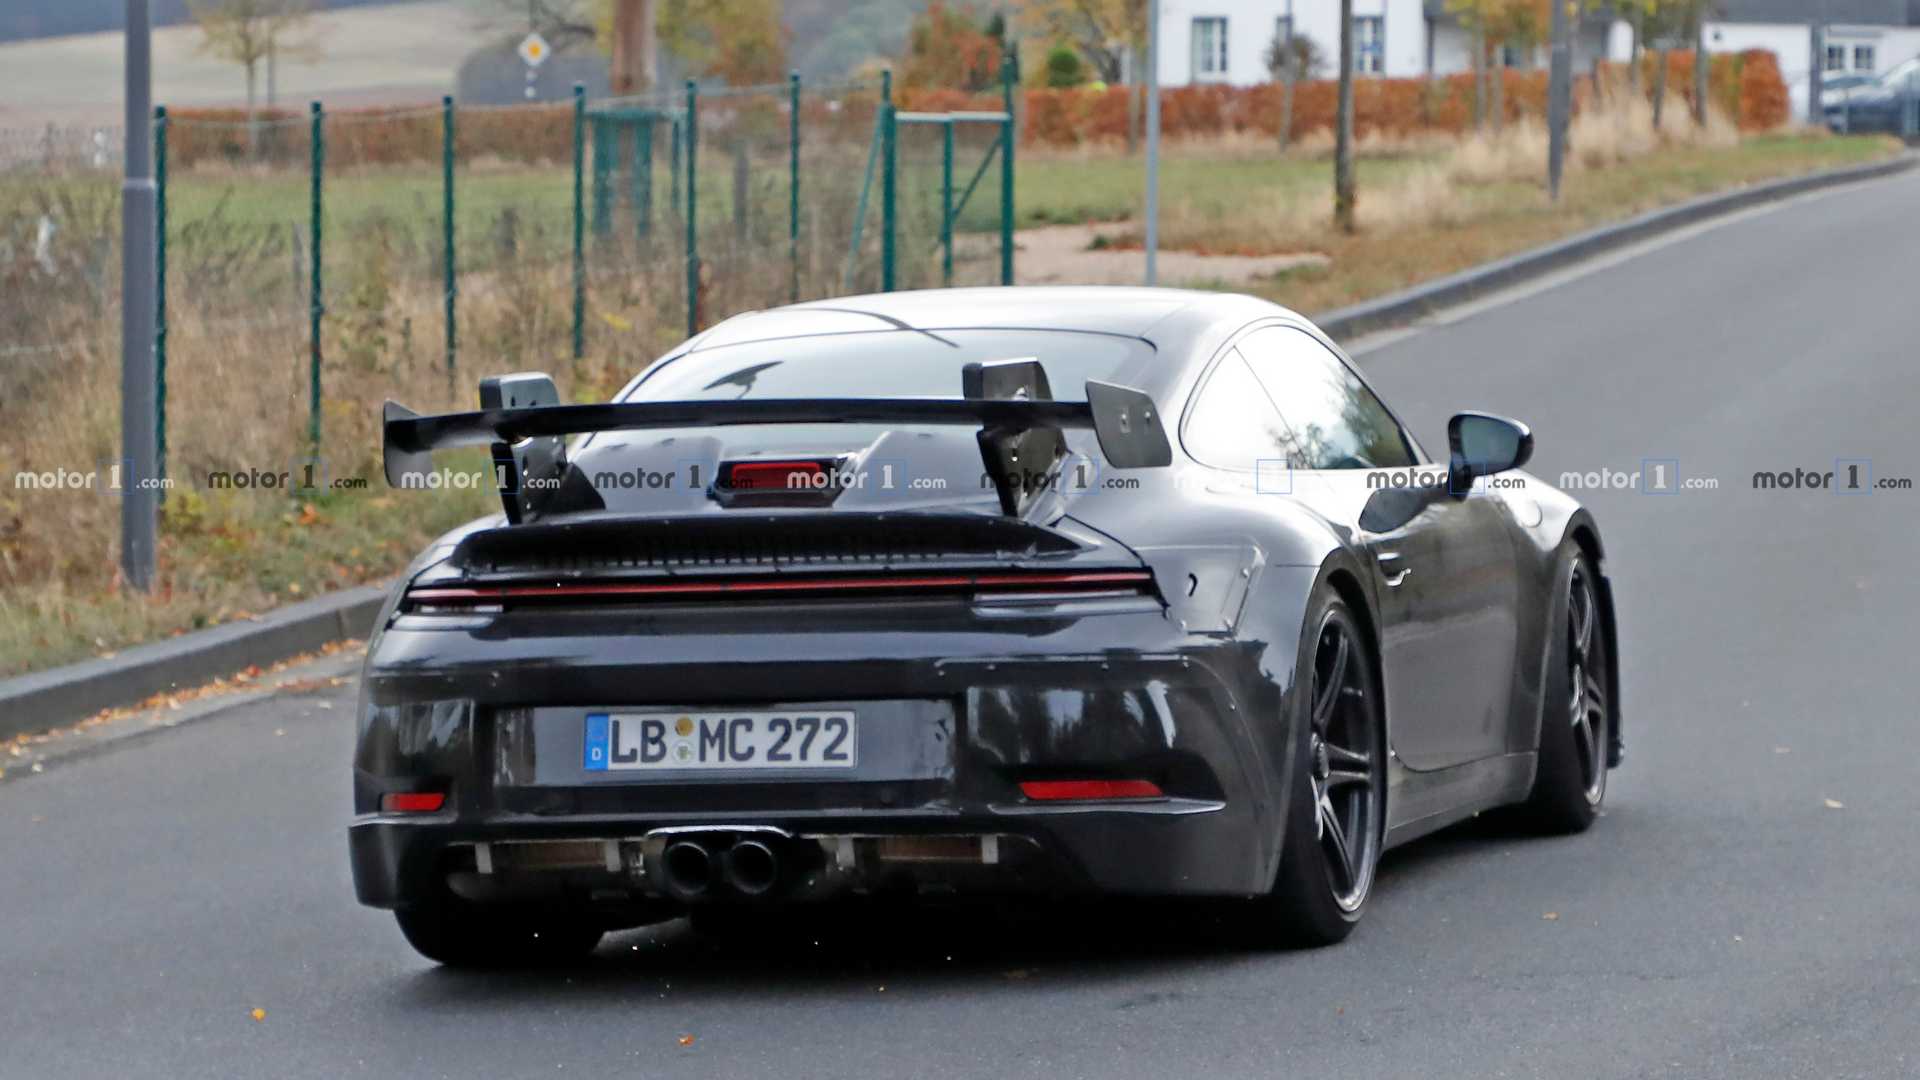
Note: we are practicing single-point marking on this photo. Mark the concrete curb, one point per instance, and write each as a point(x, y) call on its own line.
point(1412, 305)
point(44, 700)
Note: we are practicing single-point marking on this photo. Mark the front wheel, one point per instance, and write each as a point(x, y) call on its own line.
point(1337, 817)
point(1571, 779)
point(460, 934)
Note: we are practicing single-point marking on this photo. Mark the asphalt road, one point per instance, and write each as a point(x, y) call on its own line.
point(1724, 920)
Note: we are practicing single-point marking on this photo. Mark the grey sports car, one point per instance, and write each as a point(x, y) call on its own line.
point(985, 592)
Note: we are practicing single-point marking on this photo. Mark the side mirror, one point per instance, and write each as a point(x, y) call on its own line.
point(1482, 444)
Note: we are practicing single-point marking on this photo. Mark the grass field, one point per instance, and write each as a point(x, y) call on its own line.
point(238, 350)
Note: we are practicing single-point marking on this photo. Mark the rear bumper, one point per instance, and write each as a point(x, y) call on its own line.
point(1115, 691)
point(1162, 848)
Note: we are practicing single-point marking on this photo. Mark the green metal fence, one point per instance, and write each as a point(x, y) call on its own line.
point(380, 245)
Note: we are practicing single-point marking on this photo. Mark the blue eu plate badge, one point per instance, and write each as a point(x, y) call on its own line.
point(597, 742)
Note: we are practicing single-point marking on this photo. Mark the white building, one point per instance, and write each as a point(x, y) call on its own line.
point(1225, 41)
point(1864, 37)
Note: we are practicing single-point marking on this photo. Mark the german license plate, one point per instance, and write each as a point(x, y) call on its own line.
point(720, 740)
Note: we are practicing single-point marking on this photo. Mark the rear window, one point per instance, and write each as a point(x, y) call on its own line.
point(886, 364)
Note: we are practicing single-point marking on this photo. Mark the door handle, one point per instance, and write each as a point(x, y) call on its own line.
point(1387, 558)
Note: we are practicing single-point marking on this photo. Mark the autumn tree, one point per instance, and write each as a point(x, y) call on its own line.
point(1291, 58)
point(1105, 32)
point(741, 41)
point(1101, 30)
point(949, 48)
point(1496, 25)
point(247, 32)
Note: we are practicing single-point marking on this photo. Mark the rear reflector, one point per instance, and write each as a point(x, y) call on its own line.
point(1053, 790)
point(413, 802)
point(1040, 582)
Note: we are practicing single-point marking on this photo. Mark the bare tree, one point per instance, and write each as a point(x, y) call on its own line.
point(1343, 193)
point(247, 32)
point(635, 52)
point(1290, 58)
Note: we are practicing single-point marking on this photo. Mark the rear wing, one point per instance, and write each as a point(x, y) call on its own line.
point(522, 421)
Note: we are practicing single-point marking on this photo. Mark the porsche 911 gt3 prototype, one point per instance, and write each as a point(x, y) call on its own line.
point(1000, 592)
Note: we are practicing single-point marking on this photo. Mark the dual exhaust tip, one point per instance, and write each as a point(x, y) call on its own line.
point(691, 868)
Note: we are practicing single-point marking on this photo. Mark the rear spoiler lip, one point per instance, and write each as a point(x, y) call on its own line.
point(1124, 420)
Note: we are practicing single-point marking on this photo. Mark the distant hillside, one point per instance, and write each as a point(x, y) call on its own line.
point(24, 19)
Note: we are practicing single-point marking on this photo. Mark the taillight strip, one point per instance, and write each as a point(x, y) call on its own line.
point(1065, 581)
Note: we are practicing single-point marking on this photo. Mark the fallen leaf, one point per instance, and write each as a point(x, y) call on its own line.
point(279, 731)
point(1835, 804)
point(1551, 916)
point(1783, 750)
point(259, 1015)
point(686, 1040)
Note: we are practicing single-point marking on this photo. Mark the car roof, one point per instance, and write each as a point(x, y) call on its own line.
point(1136, 312)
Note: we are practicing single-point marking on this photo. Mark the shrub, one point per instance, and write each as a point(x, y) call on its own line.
point(1065, 69)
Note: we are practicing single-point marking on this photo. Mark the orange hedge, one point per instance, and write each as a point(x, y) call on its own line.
point(1747, 86)
point(528, 134)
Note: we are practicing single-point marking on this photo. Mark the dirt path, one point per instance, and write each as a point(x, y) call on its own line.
point(1060, 255)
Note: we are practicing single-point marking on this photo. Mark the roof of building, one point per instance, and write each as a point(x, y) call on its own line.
point(1844, 12)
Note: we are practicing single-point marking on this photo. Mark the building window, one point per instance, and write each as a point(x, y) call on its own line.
point(1209, 47)
point(1836, 58)
point(1863, 58)
point(1369, 44)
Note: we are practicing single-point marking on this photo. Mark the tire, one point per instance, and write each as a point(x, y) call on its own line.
point(1336, 816)
point(463, 935)
point(1576, 718)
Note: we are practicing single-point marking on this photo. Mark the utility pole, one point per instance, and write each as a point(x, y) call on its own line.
point(1700, 64)
point(1816, 71)
point(1152, 238)
point(138, 502)
point(1559, 96)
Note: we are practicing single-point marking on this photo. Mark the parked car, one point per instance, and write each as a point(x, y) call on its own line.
point(1890, 104)
point(987, 591)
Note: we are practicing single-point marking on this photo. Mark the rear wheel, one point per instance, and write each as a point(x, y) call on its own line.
point(1571, 780)
point(456, 933)
point(1337, 818)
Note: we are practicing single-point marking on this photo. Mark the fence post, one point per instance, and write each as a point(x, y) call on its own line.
point(793, 187)
point(1009, 82)
point(579, 222)
point(693, 206)
point(673, 166)
point(605, 136)
point(642, 186)
point(446, 220)
point(160, 296)
point(316, 302)
point(889, 146)
point(946, 204)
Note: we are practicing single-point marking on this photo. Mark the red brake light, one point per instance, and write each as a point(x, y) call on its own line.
point(1084, 582)
point(413, 802)
point(1053, 790)
point(773, 475)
